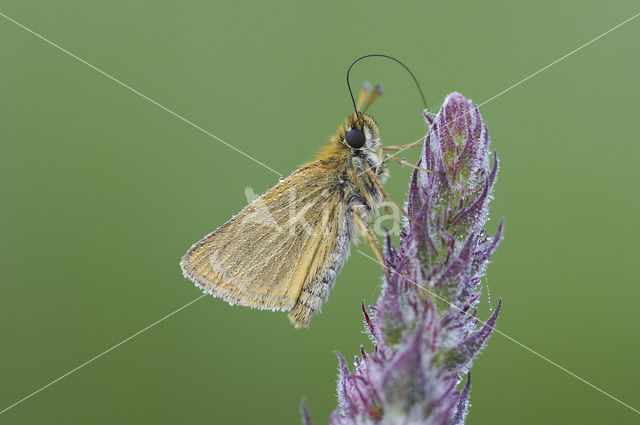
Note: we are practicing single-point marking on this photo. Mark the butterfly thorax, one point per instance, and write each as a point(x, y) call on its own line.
point(359, 173)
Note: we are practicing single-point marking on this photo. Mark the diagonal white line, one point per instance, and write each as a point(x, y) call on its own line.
point(536, 73)
point(560, 59)
point(531, 350)
point(103, 353)
point(140, 94)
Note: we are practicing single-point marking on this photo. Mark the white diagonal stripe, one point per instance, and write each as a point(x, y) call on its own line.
point(109, 76)
point(538, 72)
point(505, 335)
point(101, 354)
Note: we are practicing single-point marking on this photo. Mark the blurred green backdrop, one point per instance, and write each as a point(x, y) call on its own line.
point(102, 192)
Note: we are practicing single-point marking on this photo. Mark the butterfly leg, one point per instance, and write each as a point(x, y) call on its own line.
point(404, 162)
point(402, 147)
point(367, 233)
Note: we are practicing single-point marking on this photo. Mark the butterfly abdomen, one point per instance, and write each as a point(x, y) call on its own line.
point(316, 291)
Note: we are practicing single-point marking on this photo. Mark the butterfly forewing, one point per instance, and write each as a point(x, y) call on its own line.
point(292, 236)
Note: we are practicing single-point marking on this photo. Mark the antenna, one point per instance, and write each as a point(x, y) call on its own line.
point(424, 102)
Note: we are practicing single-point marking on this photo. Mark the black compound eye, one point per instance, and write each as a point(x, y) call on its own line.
point(355, 138)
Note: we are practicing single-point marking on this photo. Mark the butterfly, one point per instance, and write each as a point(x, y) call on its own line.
point(284, 250)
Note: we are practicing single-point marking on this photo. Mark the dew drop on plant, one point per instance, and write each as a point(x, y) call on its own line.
point(486, 284)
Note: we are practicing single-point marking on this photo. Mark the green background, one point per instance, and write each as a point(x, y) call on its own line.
point(102, 192)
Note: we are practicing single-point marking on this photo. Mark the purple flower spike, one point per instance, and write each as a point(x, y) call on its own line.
point(424, 325)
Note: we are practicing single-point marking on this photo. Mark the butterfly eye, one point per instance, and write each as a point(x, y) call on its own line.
point(355, 138)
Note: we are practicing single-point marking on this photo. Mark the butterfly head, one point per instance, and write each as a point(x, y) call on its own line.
point(360, 132)
point(359, 136)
